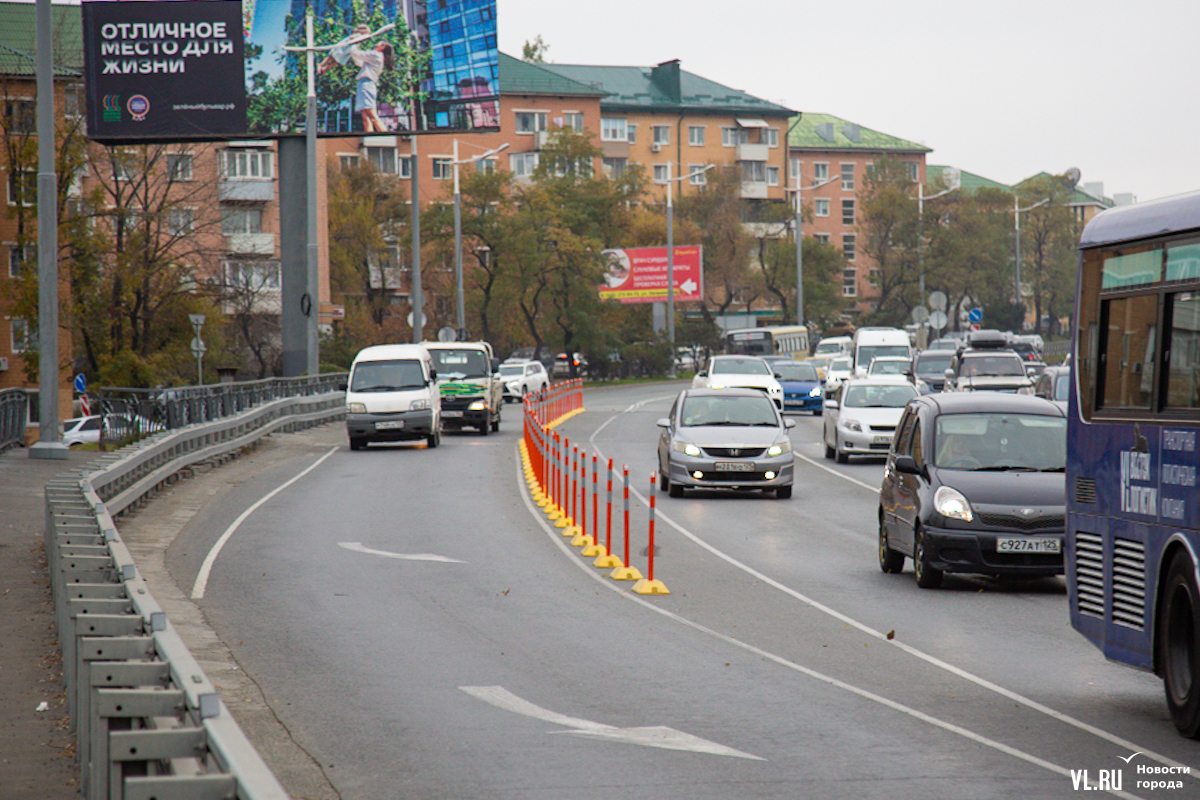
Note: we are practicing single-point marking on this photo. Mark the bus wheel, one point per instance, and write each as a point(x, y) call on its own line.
point(1179, 644)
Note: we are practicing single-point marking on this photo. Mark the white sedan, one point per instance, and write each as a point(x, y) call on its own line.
point(861, 416)
point(746, 372)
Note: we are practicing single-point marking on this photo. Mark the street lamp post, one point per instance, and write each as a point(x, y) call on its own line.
point(458, 265)
point(921, 198)
point(671, 256)
point(799, 243)
point(1017, 211)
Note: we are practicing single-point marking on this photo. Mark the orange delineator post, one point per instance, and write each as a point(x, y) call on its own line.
point(648, 585)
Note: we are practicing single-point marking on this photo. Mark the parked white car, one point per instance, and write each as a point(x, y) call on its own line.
point(521, 378)
point(749, 372)
point(79, 431)
point(861, 416)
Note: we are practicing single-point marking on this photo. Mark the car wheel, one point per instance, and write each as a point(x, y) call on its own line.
point(817, 413)
point(674, 490)
point(664, 483)
point(496, 423)
point(783, 493)
point(1179, 645)
point(890, 561)
point(433, 439)
point(842, 456)
point(829, 452)
point(357, 443)
point(928, 577)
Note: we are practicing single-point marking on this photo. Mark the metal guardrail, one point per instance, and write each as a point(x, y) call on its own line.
point(1056, 350)
point(148, 722)
point(14, 411)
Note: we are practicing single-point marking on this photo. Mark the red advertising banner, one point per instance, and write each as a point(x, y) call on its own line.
point(639, 274)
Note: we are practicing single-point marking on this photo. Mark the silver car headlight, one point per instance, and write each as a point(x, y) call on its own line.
point(687, 448)
point(356, 408)
point(951, 503)
point(779, 449)
point(419, 405)
point(852, 425)
point(816, 392)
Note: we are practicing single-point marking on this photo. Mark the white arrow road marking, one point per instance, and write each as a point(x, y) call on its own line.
point(358, 548)
point(653, 736)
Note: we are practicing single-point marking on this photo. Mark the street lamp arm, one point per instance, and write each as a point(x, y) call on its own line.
point(488, 154)
point(1032, 207)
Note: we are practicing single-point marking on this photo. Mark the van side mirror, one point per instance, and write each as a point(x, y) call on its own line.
point(702, 373)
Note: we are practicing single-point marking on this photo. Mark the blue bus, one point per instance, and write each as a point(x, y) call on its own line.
point(1133, 509)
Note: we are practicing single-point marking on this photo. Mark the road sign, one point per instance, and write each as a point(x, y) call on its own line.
point(937, 301)
point(975, 315)
point(81, 383)
point(411, 323)
point(920, 314)
point(446, 334)
point(938, 319)
point(199, 348)
point(197, 321)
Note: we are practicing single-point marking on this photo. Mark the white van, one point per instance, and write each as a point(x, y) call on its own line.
point(871, 343)
point(392, 396)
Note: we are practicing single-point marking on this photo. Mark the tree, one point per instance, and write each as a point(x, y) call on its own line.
point(822, 265)
point(534, 52)
point(1049, 234)
point(718, 212)
point(888, 236)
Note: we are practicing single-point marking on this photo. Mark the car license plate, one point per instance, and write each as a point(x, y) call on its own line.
point(450, 414)
point(1017, 545)
point(388, 426)
point(735, 466)
point(883, 439)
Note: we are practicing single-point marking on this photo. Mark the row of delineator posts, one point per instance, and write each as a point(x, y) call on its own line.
point(566, 486)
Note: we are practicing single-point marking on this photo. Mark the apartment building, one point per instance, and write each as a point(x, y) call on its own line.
point(829, 158)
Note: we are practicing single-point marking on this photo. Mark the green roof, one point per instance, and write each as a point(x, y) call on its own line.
point(1079, 197)
point(826, 132)
point(970, 181)
point(522, 77)
point(665, 87)
point(18, 34)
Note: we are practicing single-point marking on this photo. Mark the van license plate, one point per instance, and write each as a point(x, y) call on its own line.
point(389, 426)
point(1016, 545)
point(451, 414)
point(735, 466)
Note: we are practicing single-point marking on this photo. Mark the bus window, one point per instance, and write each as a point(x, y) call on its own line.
point(1127, 352)
point(1183, 377)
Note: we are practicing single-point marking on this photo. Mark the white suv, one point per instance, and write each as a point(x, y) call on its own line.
point(521, 378)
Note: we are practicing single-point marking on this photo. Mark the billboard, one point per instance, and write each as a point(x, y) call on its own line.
point(639, 274)
point(381, 67)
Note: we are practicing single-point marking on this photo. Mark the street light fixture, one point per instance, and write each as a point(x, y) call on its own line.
point(1017, 211)
point(921, 198)
point(799, 243)
point(671, 256)
point(458, 265)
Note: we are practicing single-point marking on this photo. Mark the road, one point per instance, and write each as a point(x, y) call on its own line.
point(418, 630)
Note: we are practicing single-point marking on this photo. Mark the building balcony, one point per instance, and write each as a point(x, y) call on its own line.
point(258, 244)
point(753, 152)
point(754, 190)
point(247, 191)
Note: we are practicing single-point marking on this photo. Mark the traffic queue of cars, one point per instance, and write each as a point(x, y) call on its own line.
point(974, 450)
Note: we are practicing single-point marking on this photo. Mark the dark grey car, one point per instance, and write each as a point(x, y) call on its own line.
point(725, 439)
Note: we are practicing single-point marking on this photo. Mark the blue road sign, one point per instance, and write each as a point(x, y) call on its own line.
point(975, 315)
point(81, 383)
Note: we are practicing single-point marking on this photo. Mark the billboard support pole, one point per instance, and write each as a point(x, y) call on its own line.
point(312, 262)
point(49, 445)
point(418, 301)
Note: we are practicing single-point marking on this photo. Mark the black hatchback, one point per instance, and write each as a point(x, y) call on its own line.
point(975, 483)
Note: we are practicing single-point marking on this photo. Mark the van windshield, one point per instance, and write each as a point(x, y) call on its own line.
point(459, 364)
point(387, 376)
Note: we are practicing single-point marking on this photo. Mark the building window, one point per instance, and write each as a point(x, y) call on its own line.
point(613, 129)
point(347, 161)
point(21, 259)
point(912, 171)
point(848, 177)
point(383, 159)
point(754, 171)
point(244, 163)
point(821, 237)
point(821, 208)
point(849, 283)
point(795, 165)
point(20, 116)
point(847, 212)
point(180, 221)
point(531, 121)
point(22, 187)
point(697, 178)
point(772, 176)
point(235, 220)
point(696, 135)
point(522, 165)
point(770, 137)
point(24, 338)
point(443, 170)
point(632, 133)
point(485, 166)
point(614, 168)
point(573, 120)
point(661, 173)
point(179, 166)
point(253, 276)
point(849, 242)
point(662, 135)
point(820, 172)
point(404, 164)
point(732, 137)
point(74, 100)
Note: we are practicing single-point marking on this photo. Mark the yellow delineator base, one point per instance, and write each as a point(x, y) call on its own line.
point(571, 531)
point(582, 540)
point(650, 587)
point(563, 521)
point(625, 574)
point(609, 561)
point(592, 550)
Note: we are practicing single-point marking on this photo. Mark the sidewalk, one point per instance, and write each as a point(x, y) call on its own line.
point(37, 748)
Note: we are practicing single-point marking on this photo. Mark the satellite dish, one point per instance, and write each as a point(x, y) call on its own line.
point(1072, 177)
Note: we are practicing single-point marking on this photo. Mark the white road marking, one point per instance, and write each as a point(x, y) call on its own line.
point(651, 736)
point(932, 660)
point(358, 547)
point(833, 471)
point(206, 568)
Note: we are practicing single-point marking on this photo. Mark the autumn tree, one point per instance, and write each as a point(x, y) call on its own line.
point(1049, 235)
point(719, 212)
point(888, 235)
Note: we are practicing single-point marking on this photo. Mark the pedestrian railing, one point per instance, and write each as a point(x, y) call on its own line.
point(14, 411)
point(147, 720)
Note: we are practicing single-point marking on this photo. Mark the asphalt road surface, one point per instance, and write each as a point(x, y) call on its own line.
point(404, 623)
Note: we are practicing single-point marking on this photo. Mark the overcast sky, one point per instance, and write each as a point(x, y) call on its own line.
point(1003, 89)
